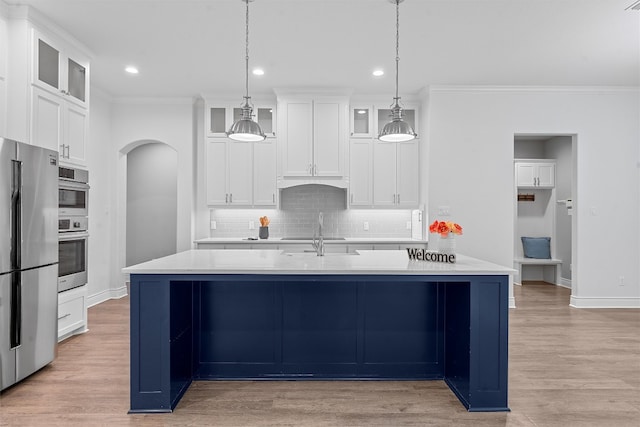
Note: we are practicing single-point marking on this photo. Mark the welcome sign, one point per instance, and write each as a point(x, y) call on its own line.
point(433, 256)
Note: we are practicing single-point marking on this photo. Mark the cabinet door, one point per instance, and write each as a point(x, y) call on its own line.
point(407, 186)
point(361, 122)
point(264, 169)
point(4, 48)
point(526, 174)
point(46, 124)
point(77, 81)
point(546, 175)
point(216, 169)
point(47, 63)
point(360, 176)
point(328, 138)
point(240, 173)
point(297, 154)
point(76, 133)
point(384, 174)
point(217, 120)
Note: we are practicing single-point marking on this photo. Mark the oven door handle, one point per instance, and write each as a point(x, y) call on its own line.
point(73, 235)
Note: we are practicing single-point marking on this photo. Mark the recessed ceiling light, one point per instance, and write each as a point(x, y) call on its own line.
point(378, 73)
point(362, 111)
point(131, 70)
point(258, 72)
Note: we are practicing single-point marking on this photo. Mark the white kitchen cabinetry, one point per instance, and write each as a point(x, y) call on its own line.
point(57, 68)
point(313, 136)
point(360, 172)
point(219, 118)
point(240, 174)
point(535, 174)
point(264, 173)
point(72, 312)
point(395, 174)
point(361, 121)
point(229, 172)
point(49, 91)
point(59, 125)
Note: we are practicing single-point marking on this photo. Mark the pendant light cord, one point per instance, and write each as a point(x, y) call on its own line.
point(246, 59)
point(397, 44)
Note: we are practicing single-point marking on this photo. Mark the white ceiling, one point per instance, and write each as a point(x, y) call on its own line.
point(190, 47)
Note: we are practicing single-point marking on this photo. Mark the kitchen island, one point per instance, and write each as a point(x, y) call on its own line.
point(270, 315)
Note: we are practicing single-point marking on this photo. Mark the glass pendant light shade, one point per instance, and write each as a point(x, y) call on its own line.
point(397, 130)
point(246, 129)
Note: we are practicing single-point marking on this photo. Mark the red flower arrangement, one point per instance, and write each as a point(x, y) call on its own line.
point(445, 227)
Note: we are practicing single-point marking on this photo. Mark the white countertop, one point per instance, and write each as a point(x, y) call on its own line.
point(239, 261)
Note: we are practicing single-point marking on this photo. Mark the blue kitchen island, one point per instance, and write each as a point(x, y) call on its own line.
point(268, 315)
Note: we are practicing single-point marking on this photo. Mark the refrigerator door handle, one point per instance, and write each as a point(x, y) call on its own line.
point(16, 214)
point(15, 329)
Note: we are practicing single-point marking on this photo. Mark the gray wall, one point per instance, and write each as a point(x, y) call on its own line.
point(151, 202)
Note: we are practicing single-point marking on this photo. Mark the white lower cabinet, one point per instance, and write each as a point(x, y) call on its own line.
point(72, 312)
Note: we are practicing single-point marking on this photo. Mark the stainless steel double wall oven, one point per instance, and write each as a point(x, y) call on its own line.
point(73, 202)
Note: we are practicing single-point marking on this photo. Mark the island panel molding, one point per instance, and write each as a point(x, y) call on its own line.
point(434, 322)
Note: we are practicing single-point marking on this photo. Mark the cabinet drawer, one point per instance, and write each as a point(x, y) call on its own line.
point(71, 313)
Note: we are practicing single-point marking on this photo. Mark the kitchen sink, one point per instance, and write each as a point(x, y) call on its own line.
point(311, 238)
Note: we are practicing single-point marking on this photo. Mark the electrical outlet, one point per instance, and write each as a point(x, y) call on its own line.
point(621, 281)
point(365, 225)
point(444, 211)
point(214, 225)
point(252, 225)
point(408, 225)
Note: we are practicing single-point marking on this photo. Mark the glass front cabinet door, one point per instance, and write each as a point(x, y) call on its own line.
point(60, 70)
point(219, 118)
point(361, 122)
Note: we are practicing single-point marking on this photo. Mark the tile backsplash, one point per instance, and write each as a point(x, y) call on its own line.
point(298, 217)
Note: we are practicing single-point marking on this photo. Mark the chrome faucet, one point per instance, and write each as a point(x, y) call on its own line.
point(318, 243)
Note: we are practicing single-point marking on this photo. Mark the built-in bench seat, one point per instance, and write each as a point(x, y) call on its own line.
point(551, 263)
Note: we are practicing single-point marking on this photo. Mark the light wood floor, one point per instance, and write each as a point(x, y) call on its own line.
point(568, 367)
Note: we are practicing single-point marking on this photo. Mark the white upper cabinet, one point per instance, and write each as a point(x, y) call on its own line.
point(264, 173)
point(535, 174)
point(313, 136)
point(361, 121)
point(395, 174)
point(220, 116)
point(60, 69)
point(229, 172)
point(360, 172)
point(240, 174)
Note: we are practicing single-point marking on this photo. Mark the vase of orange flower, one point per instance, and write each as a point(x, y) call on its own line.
point(447, 231)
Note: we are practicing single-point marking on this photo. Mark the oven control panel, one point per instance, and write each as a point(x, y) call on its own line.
point(72, 224)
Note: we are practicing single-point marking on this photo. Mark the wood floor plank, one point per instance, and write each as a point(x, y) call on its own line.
point(568, 367)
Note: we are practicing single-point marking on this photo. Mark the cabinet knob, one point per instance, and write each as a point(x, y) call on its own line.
point(226, 198)
point(398, 198)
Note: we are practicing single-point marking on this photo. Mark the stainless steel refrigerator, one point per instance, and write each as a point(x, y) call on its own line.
point(28, 259)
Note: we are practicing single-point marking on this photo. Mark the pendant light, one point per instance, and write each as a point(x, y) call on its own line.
point(246, 129)
point(397, 130)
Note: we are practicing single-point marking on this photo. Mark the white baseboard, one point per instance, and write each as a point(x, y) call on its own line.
point(106, 295)
point(565, 283)
point(604, 302)
point(512, 301)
